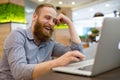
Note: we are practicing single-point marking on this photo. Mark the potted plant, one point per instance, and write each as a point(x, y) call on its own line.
point(95, 32)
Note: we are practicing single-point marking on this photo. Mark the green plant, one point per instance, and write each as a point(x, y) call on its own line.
point(61, 26)
point(94, 31)
point(12, 13)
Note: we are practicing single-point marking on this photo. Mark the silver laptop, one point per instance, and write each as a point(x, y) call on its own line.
point(106, 56)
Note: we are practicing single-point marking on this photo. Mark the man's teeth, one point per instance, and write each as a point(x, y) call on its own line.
point(48, 28)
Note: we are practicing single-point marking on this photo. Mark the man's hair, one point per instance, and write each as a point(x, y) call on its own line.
point(37, 10)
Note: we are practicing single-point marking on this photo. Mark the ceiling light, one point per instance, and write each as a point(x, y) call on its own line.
point(40, 0)
point(60, 2)
point(107, 5)
point(91, 9)
point(73, 3)
point(75, 14)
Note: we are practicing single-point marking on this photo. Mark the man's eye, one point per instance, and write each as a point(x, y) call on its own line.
point(48, 18)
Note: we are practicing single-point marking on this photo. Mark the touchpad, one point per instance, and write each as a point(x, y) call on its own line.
point(86, 68)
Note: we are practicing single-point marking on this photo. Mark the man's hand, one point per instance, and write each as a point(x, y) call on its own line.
point(71, 56)
point(63, 19)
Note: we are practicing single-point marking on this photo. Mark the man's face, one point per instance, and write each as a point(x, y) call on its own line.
point(44, 25)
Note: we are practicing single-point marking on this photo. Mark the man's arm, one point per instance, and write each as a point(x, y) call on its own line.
point(63, 19)
point(45, 67)
point(75, 40)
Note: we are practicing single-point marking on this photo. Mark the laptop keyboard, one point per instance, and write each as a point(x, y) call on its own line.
point(83, 65)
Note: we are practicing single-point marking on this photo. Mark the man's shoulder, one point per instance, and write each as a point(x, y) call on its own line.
point(15, 37)
point(19, 32)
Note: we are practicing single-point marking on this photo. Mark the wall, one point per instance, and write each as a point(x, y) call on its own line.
point(62, 36)
point(4, 31)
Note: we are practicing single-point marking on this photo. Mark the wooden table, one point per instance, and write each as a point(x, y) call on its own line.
point(110, 75)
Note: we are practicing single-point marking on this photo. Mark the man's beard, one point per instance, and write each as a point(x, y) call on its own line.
point(40, 34)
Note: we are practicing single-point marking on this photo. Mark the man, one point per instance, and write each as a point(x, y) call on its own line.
point(27, 53)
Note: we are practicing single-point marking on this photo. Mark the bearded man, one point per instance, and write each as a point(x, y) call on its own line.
point(27, 52)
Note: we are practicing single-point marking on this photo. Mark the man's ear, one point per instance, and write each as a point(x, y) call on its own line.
point(34, 17)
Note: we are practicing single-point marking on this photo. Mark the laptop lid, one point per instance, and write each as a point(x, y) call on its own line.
point(108, 51)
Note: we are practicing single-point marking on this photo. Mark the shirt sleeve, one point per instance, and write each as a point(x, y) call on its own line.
point(76, 47)
point(15, 53)
point(60, 49)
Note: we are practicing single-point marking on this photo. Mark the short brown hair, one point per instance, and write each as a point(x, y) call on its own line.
point(37, 10)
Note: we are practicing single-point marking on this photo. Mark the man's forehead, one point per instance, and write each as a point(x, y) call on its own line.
point(49, 11)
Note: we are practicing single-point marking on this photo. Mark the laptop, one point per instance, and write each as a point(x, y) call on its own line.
point(106, 54)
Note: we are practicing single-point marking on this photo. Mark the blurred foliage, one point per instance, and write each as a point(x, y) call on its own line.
point(12, 13)
point(83, 37)
point(91, 37)
point(61, 26)
point(94, 31)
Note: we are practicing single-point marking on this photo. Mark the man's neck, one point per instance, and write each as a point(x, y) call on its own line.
point(37, 41)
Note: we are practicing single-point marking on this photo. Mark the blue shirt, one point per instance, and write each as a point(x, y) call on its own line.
point(20, 54)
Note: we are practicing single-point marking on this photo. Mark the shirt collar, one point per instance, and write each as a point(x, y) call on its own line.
point(29, 34)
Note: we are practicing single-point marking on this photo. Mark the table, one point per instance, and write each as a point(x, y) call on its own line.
point(110, 75)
